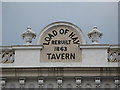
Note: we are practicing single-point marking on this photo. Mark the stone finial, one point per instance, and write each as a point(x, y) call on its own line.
point(28, 35)
point(95, 35)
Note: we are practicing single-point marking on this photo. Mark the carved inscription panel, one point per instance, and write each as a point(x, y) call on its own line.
point(61, 44)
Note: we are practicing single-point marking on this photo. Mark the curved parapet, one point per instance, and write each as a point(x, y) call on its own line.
point(61, 30)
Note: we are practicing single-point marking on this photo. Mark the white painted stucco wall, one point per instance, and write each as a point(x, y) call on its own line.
point(92, 56)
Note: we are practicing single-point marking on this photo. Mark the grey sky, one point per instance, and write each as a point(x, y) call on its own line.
point(17, 16)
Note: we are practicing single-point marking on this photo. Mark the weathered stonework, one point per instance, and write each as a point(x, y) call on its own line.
point(29, 66)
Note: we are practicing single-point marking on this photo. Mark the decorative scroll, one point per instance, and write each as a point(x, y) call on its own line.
point(7, 56)
point(114, 56)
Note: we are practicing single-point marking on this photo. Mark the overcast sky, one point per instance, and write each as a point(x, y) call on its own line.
point(17, 16)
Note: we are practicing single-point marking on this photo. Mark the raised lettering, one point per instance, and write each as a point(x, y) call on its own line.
point(53, 56)
point(60, 56)
point(48, 54)
point(61, 31)
point(72, 35)
point(54, 32)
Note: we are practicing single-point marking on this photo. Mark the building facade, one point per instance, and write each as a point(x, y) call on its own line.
point(61, 58)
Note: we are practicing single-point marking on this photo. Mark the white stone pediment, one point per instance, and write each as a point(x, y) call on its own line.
point(61, 41)
point(61, 25)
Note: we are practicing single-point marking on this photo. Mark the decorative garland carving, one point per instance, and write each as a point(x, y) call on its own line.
point(114, 55)
point(7, 56)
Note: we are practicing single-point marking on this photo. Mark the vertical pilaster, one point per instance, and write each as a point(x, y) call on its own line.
point(97, 82)
point(40, 82)
point(59, 81)
point(117, 82)
point(22, 82)
point(78, 82)
point(2, 83)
